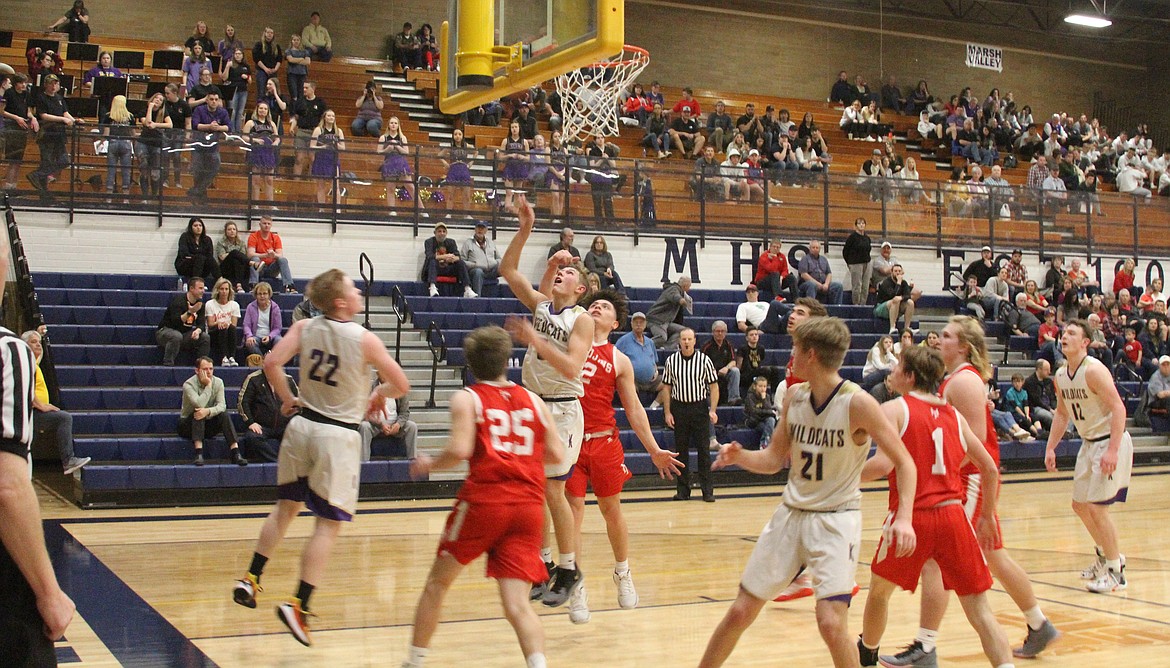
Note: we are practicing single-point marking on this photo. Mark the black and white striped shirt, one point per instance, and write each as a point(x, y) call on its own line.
point(17, 379)
point(689, 378)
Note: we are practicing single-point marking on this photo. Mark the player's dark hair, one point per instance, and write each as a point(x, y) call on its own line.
point(621, 305)
point(926, 365)
point(815, 308)
point(488, 350)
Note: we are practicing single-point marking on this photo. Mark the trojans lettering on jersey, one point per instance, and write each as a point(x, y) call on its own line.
point(599, 376)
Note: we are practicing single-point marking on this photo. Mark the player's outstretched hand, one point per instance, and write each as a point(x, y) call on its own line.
point(521, 330)
point(420, 466)
point(667, 463)
point(904, 539)
point(1050, 460)
point(560, 259)
point(728, 455)
point(523, 211)
point(290, 407)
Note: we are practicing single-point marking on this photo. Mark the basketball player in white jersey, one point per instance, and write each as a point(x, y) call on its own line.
point(826, 427)
point(320, 457)
point(558, 340)
point(1086, 394)
point(602, 460)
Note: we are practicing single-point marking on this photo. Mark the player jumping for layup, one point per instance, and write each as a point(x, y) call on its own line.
point(321, 455)
point(940, 441)
point(558, 341)
point(826, 426)
point(1085, 393)
point(507, 434)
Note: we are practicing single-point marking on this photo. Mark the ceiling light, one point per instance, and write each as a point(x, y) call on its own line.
point(1088, 20)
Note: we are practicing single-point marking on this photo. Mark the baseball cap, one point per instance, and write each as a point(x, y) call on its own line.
point(480, 224)
point(886, 244)
point(877, 151)
point(50, 77)
point(985, 248)
point(638, 315)
point(753, 152)
point(751, 287)
point(438, 225)
point(1017, 251)
point(1164, 359)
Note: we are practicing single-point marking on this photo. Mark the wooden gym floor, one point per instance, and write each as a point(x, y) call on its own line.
point(153, 587)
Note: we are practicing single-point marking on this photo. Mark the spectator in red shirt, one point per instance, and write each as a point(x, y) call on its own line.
point(266, 256)
point(772, 274)
point(688, 101)
point(1133, 359)
point(1049, 338)
point(1123, 280)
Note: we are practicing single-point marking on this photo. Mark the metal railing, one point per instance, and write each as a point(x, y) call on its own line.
point(438, 355)
point(27, 315)
point(616, 194)
point(402, 313)
point(366, 264)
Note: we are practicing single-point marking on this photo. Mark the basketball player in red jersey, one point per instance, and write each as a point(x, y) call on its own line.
point(940, 442)
point(964, 353)
point(602, 461)
point(508, 435)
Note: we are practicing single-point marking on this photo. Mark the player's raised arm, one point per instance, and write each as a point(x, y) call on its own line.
point(865, 410)
point(767, 461)
point(460, 445)
point(1101, 384)
point(1060, 418)
point(665, 461)
point(561, 258)
point(567, 364)
point(510, 263)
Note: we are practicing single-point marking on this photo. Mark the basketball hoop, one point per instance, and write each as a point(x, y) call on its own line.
point(589, 96)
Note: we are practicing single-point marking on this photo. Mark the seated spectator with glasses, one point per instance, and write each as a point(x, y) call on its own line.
point(48, 418)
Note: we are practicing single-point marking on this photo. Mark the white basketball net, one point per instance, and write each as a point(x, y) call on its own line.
point(589, 96)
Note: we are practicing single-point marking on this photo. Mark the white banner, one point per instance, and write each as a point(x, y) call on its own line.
point(985, 57)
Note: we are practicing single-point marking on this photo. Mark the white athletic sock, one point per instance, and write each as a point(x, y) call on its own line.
point(546, 554)
point(417, 655)
point(567, 561)
point(874, 648)
point(1035, 618)
point(621, 567)
point(927, 638)
point(536, 660)
point(1113, 565)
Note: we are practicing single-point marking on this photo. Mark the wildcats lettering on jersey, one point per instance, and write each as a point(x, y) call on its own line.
point(817, 437)
point(1074, 393)
point(550, 328)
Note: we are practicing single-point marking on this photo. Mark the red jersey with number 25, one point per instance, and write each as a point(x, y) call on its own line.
point(990, 441)
point(507, 466)
point(599, 376)
point(936, 444)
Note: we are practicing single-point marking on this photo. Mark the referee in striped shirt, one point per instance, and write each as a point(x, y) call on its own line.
point(34, 612)
point(690, 410)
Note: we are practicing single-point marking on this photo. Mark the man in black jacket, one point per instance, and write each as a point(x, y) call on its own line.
point(857, 256)
point(894, 298)
point(260, 410)
point(982, 269)
point(1041, 394)
point(182, 324)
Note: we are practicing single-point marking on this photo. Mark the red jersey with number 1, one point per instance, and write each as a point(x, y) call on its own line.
point(990, 440)
point(507, 466)
point(936, 444)
point(599, 377)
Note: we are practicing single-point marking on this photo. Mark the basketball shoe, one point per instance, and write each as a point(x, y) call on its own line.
point(627, 596)
point(1095, 570)
point(245, 590)
point(869, 657)
point(801, 587)
point(1108, 581)
point(913, 655)
point(296, 619)
point(562, 586)
point(1037, 641)
point(579, 606)
point(538, 588)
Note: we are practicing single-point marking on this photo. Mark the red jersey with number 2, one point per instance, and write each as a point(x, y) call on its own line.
point(990, 441)
point(599, 376)
point(935, 442)
point(507, 466)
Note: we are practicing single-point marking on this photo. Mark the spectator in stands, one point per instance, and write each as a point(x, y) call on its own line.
point(909, 187)
point(772, 274)
point(759, 411)
point(905, 340)
point(232, 254)
point(894, 298)
point(238, 74)
point(600, 261)
point(77, 20)
point(212, 119)
point(1020, 321)
point(1000, 193)
point(687, 102)
point(19, 120)
point(204, 413)
point(55, 119)
point(1130, 178)
point(708, 176)
point(315, 37)
point(428, 46)
point(1036, 302)
point(861, 91)
point(665, 319)
point(263, 326)
point(565, 243)
point(657, 137)
point(722, 355)
point(603, 179)
point(515, 155)
point(816, 278)
point(369, 104)
point(1015, 403)
point(196, 254)
point(118, 127)
point(685, 135)
point(1054, 190)
point(842, 92)
point(223, 315)
point(204, 86)
point(1041, 394)
point(751, 313)
point(970, 297)
point(457, 160)
point(1154, 294)
point(200, 37)
point(307, 114)
point(1159, 386)
point(983, 269)
point(327, 143)
point(407, 51)
point(230, 42)
point(150, 145)
point(1123, 280)
point(1081, 280)
point(1017, 272)
point(1153, 339)
point(527, 121)
point(892, 97)
point(750, 359)
point(103, 68)
point(750, 125)
point(857, 256)
point(264, 422)
point(1053, 277)
point(261, 134)
point(44, 62)
point(644, 358)
point(1133, 358)
point(442, 259)
point(47, 418)
point(298, 59)
point(266, 256)
point(390, 420)
point(396, 171)
point(267, 56)
point(996, 294)
point(482, 257)
point(180, 114)
point(1037, 173)
point(719, 127)
point(193, 66)
point(879, 361)
point(182, 324)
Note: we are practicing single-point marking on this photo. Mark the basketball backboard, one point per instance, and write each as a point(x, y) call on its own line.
point(492, 48)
